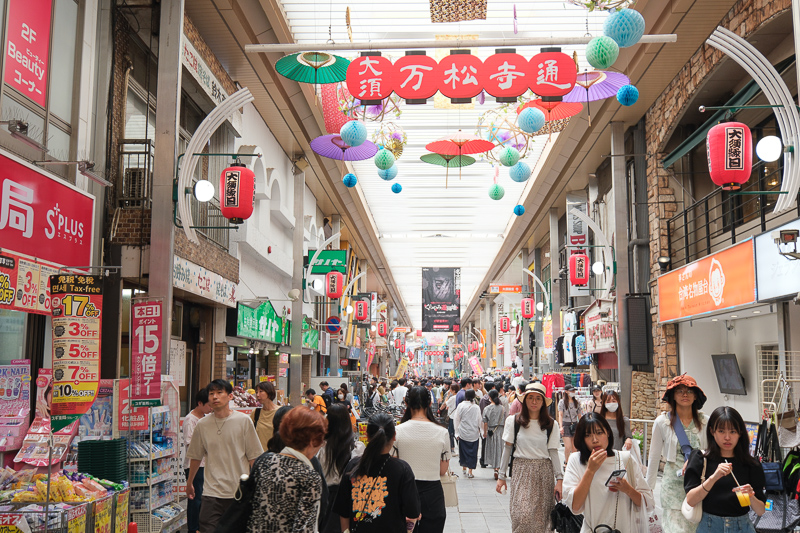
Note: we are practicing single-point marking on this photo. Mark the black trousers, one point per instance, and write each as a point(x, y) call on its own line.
point(332, 524)
point(434, 514)
point(483, 452)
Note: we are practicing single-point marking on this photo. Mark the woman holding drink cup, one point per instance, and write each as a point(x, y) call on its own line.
point(733, 482)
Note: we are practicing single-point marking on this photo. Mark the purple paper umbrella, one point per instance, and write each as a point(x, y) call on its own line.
point(333, 147)
point(595, 85)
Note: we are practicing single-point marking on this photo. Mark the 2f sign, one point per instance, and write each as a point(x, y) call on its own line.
point(28, 34)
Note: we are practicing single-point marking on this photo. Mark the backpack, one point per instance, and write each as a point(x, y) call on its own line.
point(517, 425)
point(328, 398)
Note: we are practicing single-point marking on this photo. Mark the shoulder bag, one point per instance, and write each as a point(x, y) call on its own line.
point(694, 514)
point(448, 481)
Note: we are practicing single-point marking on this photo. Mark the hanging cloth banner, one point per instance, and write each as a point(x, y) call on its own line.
point(77, 303)
point(146, 326)
point(476, 365)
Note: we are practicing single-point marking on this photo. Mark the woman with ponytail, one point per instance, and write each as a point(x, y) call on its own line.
point(377, 493)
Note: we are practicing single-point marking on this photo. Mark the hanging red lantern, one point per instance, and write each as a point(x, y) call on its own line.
point(334, 284)
point(403, 346)
point(382, 329)
point(579, 269)
point(528, 307)
point(397, 344)
point(730, 154)
point(410, 356)
point(362, 310)
point(505, 324)
point(237, 193)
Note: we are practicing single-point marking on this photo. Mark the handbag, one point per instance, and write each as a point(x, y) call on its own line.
point(784, 516)
point(771, 461)
point(235, 518)
point(694, 514)
point(564, 521)
point(449, 488)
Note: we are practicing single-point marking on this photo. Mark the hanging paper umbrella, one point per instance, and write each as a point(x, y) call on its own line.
point(458, 145)
point(333, 147)
point(596, 85)
point(313, 67)
point(554, 110)
point(448, 161)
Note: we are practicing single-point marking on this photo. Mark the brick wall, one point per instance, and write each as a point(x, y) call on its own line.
point(643, 398)
point(662, 118)
point(207, 255)
point(129, 225)
point(305, 375)
point(220, 352)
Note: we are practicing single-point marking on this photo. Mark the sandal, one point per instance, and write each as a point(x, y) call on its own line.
point(470, 476)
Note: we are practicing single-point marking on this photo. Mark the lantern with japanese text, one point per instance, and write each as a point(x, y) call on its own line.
point(528, 308)
point(417, 77)
point(362, 310)
point(370, 78)
point(382, 329)
point(504, 76)
point(403, 346)
point(505, 324)
point(579, 269)
point(730, 154)
point(556, 74)
point(460, 76)
point(410, 356)
point(334, 284)
point(237, 191)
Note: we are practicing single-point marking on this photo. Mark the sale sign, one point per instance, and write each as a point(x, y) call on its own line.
point(146, 326)
point(24, 284)
point(77, 303)
point(27, 45)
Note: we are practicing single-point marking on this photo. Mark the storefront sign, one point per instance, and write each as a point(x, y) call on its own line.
point(147, 323)
point(441, 300)
point(577, 234)
point(310, 336)
point(130, 417)
point(77, 305)
point(599, 318)
point(778, 276)
point(328, 261)
point(197, 280)
point(402, 368)
point(505, 289)
point(262, 323)
point(177, 362)
point(714, 283)
point(42, 217)
point(27, 45)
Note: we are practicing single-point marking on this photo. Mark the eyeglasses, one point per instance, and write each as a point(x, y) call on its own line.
point(684, 392)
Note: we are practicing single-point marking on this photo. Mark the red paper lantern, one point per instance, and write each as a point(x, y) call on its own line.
point(410, 356)
point(362, 310)
point(237, 193)
point(505, 324)
point(370, 78)
point(334, 284)
point(397, 344)
point(579, 269)
point(552, 74)
point(382, 329)
point(528, 307)
point(460, 76)
point(416, 77)
point(505, 75)
point(730, 154)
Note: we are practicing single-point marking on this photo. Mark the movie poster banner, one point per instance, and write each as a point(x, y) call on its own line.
point(77, 302)
point(441, 299)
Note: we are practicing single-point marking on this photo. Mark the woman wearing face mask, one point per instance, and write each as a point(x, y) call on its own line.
point(620, 424)
point(569, 412)
point(348, 396)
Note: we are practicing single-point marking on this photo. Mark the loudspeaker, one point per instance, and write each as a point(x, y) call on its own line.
point(638, 318)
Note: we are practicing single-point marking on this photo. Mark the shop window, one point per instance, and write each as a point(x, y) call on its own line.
point(12, 335)
point(62, 58)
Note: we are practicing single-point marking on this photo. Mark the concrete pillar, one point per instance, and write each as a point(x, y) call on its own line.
point(538, 333)
point(527, 369)
point(555, 280)
point(296, 343)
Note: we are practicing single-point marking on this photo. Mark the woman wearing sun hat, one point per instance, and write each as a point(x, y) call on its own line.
point(685, 400)
point(537, 470)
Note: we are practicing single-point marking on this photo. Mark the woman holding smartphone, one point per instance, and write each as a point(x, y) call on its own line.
point(733, 482)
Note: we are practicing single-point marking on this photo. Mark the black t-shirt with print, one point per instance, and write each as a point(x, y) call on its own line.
point(378, 503)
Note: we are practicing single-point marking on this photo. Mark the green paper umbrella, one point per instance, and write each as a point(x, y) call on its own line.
point(313, 67)
point(448, 161)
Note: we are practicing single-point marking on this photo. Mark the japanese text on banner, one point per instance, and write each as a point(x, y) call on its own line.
point(146, 328)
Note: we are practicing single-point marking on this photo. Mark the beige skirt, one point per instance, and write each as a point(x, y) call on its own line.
point(532, 484)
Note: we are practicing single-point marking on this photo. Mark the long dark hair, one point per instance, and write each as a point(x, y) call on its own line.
point(418, 398)
point(673, 412)
point(275, 444)
point(494, 396)
point(729, 418)
point(619, 413)
point(380, 430)
point(586, 425)
point(523, 418)
point(339, 439)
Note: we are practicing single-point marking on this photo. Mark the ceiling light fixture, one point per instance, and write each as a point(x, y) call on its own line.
point(734, 316)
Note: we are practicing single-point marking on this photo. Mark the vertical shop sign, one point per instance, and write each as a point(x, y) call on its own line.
point(77, 303)
point(475, 364)
point(146, 326)
point(577, 234)
point(27, 45)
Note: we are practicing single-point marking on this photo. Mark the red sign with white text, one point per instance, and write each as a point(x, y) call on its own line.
point(416, 77)
point(505, 75)
point(130, 417)
point(555, 74)
point(371, 78)
point(146, 327)
point(460, 73)
point(27, 45)
point(43, 217)
point(25, 284)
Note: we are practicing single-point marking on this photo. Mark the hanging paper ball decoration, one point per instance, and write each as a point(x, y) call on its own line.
point(601, 52)
point(508, 156)
point(520, 172)
point(349, 180)
point(396, 188)
point(519, 210)
point(531, 120)
point(627, 95)
point(389, 174)
point(384, 159)
point(354, 133)
point(496, 192)
point(625, 26)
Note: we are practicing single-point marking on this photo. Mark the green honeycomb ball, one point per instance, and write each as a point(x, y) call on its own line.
point(601, 52)
point(508, 157)
point(384, 159)
point(496, 192)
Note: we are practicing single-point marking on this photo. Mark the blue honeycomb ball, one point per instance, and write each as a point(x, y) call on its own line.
point(496, 192)
point(627, 95)
point(626, 27)
point(601, 52)
point(354, 133)
point(397, 188)
point(349, 180)
point(384, 159)
point(389, 174)
point(508, 157)
point(530, 120)
point(520, 172)
point(519, 210)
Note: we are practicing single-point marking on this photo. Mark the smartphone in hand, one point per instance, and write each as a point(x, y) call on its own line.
point(616, 475)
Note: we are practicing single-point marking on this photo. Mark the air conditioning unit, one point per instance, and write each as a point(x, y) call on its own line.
point(135, 187)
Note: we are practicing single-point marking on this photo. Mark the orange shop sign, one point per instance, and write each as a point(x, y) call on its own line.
point(714, 283)
point(505, 289)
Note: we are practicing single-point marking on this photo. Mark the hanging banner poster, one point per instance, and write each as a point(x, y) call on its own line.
point(146, 326)
point(577, 234)
point(76, 519)
point(28, 43)
point(77, 302)
point(102, 515)
point(402, 368)
point(476, 366)
point(441, 299)
point(15, 403)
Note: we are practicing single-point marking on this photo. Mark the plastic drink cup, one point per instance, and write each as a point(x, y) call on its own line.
point(744, 499)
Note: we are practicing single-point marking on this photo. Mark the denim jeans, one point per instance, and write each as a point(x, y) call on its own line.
point(452, 430)
point(725, 524)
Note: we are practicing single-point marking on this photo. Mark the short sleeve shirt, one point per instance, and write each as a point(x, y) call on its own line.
point(532, 442)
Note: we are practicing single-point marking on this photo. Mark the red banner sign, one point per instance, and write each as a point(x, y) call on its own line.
point(27, 45)
point(146, 326)
point(25, 284)
point(418, 77)
point(130, 417)
point(43, 217)
point(77, 307)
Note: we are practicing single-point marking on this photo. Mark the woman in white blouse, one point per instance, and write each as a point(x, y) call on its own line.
point(425, 446)
point(531, 440)
point(616, 502)
point(467, 423)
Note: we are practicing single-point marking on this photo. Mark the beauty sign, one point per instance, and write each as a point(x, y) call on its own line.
point(146, 327)
point(27, 45)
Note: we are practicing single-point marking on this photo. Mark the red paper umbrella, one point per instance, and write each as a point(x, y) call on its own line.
point(554, 110)
point(460, 144)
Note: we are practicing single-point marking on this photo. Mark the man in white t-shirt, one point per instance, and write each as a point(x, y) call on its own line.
point(189, 423)
point(399, 393)
point(228, 442)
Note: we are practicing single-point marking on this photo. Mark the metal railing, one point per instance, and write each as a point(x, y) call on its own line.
point(135, 184)
point(209, 214)
point(645, 435)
